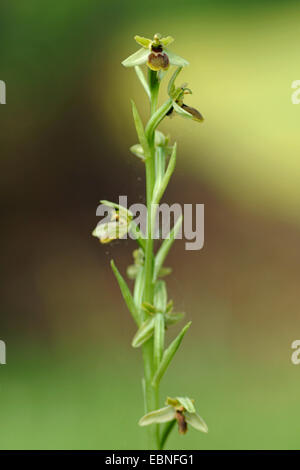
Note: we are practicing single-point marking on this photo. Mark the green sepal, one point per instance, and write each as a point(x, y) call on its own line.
point(137, 58)
point(176, 59)
point(168, 355)
point(181, 111)
point(144, 333)
point(187, 403)
point(194, 420)
point(126, 294)
point(163, 415)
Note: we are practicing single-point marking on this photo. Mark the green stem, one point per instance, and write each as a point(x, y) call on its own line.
point(165, 433)
point(151, 392)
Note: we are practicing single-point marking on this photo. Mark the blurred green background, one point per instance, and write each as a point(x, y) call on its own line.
point(72, 381)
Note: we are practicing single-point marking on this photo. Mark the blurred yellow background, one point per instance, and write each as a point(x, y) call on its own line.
point(72, 380)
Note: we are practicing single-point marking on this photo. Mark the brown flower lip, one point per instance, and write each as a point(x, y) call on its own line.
point(194, 112)
point(158, 61)
point(182, 424)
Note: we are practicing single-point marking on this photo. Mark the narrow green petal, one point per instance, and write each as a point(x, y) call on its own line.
point(145, 42)
point(176, 59)
point(166, 41)
point(196, 421)
point(163, 415)
point(187, 404)
point(138, 58)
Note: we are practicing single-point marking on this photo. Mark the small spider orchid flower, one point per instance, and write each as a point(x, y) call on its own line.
point(155, 54)
point(182, 410)
point(177, 95)
point(117, 227)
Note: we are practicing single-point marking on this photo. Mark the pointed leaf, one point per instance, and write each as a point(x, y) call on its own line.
point(194, 420)
point(163, 415)
point(140, 131)
point(165, 433)
point(168, 355)
point(157, 117)
point(160, 189)
point(142, 79)
point(126, 294)
point(144, 333)
point(138, 58)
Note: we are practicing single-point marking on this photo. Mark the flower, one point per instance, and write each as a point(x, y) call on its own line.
point(117, 227)
point(177, 95)
point(155, 54)
point(182, 410)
